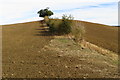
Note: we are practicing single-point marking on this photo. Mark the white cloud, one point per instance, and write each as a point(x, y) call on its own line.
point(14, 11)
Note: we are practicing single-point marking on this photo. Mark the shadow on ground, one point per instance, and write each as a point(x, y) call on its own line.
point(43, 31)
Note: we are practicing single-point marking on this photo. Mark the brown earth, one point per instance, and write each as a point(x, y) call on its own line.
point(29, 51)
point(102, 35)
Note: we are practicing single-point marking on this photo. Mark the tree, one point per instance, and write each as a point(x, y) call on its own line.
point(45, 13)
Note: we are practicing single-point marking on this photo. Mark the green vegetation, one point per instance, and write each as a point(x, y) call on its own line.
point(61, 27)
point(45, 13)
point(66, 26)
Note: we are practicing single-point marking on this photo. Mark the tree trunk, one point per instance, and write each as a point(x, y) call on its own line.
point(46, 19)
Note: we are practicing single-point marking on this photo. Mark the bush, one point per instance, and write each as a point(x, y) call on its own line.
point(65, 25)
point(61, 26)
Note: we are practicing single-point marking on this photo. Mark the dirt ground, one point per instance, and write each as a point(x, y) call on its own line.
point(102, 35)
point(30, 52)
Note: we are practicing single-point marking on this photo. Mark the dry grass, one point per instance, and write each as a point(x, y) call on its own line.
point(78, 32)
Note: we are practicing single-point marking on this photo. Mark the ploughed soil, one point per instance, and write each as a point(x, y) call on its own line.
point(102, 35)
point(29, 51)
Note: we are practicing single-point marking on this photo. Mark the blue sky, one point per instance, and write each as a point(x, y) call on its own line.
point(97, 11)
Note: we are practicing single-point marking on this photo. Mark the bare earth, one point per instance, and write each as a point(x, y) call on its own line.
point(30, 52)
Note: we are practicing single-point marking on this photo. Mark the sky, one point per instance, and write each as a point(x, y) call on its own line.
point(97, 11)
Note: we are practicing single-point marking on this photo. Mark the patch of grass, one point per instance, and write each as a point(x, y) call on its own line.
point(63, 40)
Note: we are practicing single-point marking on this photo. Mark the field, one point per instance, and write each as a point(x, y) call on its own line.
point(29, 51)
point(102, 35)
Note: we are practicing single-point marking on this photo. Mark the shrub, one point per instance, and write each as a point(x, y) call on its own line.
point(60, 26)
point(65, 25)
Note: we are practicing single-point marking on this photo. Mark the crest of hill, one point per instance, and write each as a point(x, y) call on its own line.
point(99, 34)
